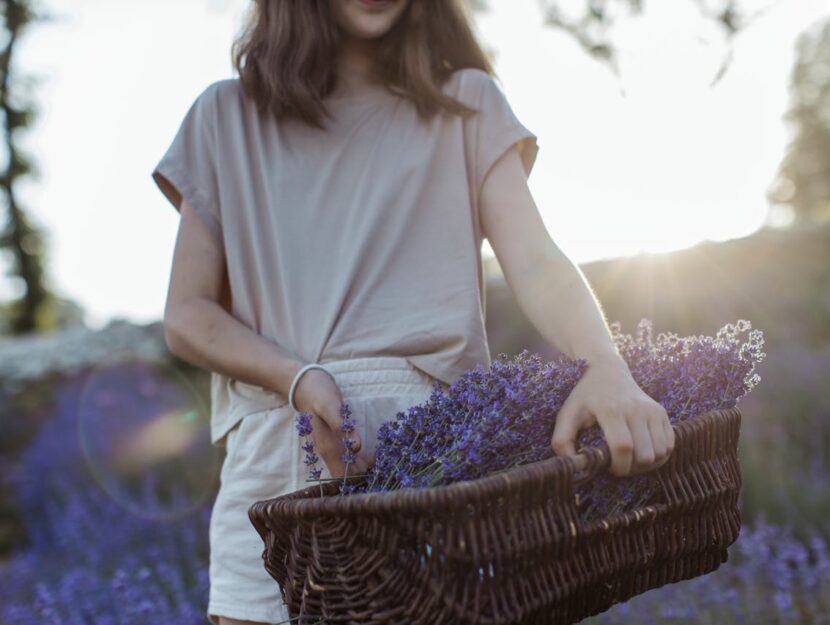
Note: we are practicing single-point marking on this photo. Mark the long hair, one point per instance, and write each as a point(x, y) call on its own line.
point(286, 56)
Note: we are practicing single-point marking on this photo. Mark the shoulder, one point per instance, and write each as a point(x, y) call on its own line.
point(222, 92)
point(470, 84)
point(217, 95)
point(218, 102)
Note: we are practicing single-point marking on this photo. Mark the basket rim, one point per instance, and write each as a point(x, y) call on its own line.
point(308, 503)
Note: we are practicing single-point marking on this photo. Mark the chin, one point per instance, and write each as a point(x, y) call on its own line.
point(368, 20)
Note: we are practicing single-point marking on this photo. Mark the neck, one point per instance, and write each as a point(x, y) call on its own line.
point(355, 59)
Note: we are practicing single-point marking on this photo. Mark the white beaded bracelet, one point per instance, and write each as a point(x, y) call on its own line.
point(297, 379)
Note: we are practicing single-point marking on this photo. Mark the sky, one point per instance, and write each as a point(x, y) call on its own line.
point(651, 161)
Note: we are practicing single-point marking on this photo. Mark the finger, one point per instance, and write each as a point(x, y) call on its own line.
point(658, 435)
point(660, 463)
point(359, 466)
point(370, 458)
point(638, 469)
point(565, 430)
point(564, 435)
point(327, 440)
point(330, 448)
point(354, 437)
point(336, 467)
point(331, 419)
point(620, 443)
point(334, 422)
point(318, 424)
point(643, 449)
point(328, 453)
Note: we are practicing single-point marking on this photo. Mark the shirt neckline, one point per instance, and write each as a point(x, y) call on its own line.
point(370, 94)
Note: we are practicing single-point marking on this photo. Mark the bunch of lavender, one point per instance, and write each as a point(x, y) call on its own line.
point(304, 429)
point(688, 376)
point(488, 420)
point(493, 419)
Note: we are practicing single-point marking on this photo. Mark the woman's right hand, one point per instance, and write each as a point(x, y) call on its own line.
point(318, 394)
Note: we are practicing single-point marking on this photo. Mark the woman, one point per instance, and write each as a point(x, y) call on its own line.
point(334, 198)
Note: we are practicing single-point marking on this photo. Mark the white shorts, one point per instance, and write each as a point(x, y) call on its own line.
point(264, 460)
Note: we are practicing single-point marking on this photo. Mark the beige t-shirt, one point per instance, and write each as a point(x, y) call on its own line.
point(360, 240)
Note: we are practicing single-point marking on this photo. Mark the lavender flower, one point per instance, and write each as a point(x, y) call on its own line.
point(347, 425)
point(304, 429)
point(303, 423)
point(349, 453)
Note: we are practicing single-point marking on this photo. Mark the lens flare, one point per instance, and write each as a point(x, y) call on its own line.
point(144, 431)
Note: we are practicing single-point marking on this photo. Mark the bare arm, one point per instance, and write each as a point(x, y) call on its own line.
point(549, 288)
point(200, 330)
point(554, 295)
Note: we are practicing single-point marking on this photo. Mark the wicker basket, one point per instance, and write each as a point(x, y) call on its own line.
point(507, 548)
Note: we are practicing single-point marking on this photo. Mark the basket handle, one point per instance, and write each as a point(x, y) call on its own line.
point(591, 460)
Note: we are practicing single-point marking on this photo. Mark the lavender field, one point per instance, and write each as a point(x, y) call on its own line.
point(114, 527)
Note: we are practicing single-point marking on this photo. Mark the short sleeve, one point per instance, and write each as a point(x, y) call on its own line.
point(495, 129)
point(188, 167)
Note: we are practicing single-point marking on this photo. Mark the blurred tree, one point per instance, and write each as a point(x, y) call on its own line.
point(803, 181)
point(32, 310)
point(591, 22)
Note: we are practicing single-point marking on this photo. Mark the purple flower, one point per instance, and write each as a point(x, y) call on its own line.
point(349, 454)
point(303, 423)
point(304, 429)
point(348, 423)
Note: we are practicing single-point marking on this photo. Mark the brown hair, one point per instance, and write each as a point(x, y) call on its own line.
point(287, 53)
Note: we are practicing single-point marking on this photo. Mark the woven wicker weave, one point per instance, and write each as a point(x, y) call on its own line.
point(503, 549)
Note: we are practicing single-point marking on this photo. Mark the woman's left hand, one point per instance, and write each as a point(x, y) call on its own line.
point(636, 427)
